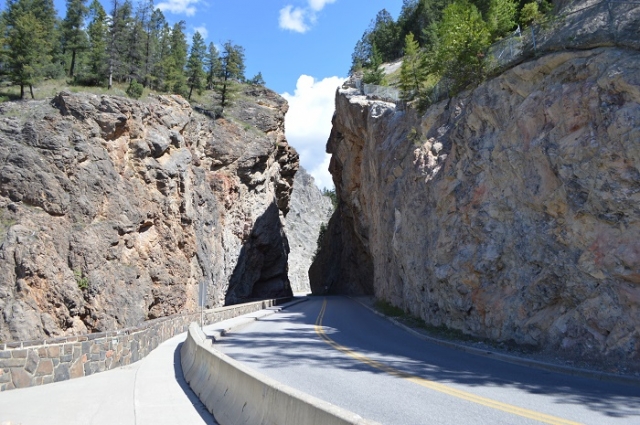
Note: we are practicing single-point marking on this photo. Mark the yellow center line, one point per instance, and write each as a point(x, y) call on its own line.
point(530, 414)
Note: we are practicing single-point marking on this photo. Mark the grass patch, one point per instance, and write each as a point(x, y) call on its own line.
point(444, 333)
point(388, 309)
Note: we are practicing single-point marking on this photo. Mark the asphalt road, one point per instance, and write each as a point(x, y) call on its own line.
point(337, 350)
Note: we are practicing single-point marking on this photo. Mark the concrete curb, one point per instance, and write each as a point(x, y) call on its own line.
point(551, 367)
point(239, 395)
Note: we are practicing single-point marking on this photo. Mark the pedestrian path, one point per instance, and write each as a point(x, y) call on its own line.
point(151, 391)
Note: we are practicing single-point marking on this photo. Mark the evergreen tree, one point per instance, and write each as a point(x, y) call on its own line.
point(413, 74)
point(98, 31)
point(134, 54)
point(463, 38)
point(160, 62)
point(176, 60)
point(232, 72)
point(195, 72)
point(145, 16)
point(118, 40)
point(74, 39)
point(257, 80)
point(501, 17)
point(374, 74)
point(212, 65)
point(30, 33)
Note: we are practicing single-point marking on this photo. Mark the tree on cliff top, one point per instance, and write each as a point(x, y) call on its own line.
point(29, 36)
point(74, 39)
point(413, 74)
point(231, 73)
point(195, 71)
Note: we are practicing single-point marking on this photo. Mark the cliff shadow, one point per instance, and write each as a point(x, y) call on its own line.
point(262, 268)
point(342, 265)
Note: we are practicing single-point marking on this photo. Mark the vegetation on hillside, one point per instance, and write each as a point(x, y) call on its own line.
point(131, 46)
point(440, 40)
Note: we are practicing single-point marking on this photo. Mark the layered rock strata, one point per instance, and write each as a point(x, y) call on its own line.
point(113, 212)
point(510, 212)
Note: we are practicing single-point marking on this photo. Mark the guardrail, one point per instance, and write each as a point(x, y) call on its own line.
point(31, 363)
point(236, 394)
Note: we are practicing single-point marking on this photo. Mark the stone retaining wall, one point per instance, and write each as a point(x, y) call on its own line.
point(30, 363)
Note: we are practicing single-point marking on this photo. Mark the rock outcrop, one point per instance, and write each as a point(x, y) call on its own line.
point(510, 212)
point(310, 209)
point(114, 211)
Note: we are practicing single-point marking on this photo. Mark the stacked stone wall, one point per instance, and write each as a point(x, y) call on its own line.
point(30, 363)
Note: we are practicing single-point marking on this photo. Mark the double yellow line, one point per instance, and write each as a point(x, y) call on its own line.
point(530, 414)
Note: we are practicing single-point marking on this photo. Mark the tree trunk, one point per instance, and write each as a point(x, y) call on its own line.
point(190, 91)
point(73, 62)
point(31, 90)
point(21, 91)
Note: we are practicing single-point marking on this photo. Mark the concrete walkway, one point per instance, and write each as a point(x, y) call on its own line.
point(150, 392)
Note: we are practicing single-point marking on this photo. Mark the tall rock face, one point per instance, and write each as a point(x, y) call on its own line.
point(310, 210)
point(510, 212)
point(114, 211)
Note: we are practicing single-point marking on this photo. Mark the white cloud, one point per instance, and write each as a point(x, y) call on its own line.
point(318, 5)
point(293, 19)
point(308, 123)
point(179, 6)
point(202, 29)
point(300, 19)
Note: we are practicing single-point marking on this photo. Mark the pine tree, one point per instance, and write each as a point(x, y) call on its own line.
point(118, 40)
point(463, 38)
point(98, 31)
point(195, 72)
point(257, 80)
point(212, 65)
point(30, 33)
point(176, 60)
point(374, 74)
point(232, 73)
point(412, 73)
point(160, 62)
point(74, 39)
point(501, 17)
point(145, 15)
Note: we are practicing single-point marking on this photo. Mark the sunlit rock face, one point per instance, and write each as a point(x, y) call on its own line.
point(310, 209)
point(510, 212)
point(113, 211)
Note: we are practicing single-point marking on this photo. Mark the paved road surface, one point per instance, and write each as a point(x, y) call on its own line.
point(341, 352)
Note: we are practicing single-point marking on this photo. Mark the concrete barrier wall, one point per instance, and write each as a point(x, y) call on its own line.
point(30, 363)
point(236, 394)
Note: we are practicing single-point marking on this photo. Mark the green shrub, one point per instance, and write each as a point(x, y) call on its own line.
point(81, 280)
point(135, 89)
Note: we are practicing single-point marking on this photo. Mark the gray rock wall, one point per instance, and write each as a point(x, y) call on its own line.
point(510, 212)
point(309, 210)
point(112, 212)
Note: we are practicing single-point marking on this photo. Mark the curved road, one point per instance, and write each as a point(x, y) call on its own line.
point(337, 350)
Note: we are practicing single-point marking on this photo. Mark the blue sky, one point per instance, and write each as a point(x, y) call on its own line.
point(302, 47)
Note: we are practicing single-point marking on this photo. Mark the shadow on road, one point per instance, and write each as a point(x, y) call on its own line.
point(353, 326)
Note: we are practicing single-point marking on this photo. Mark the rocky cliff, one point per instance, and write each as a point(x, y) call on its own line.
point(114, 211)
point(310, 209)
point(510, 212)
